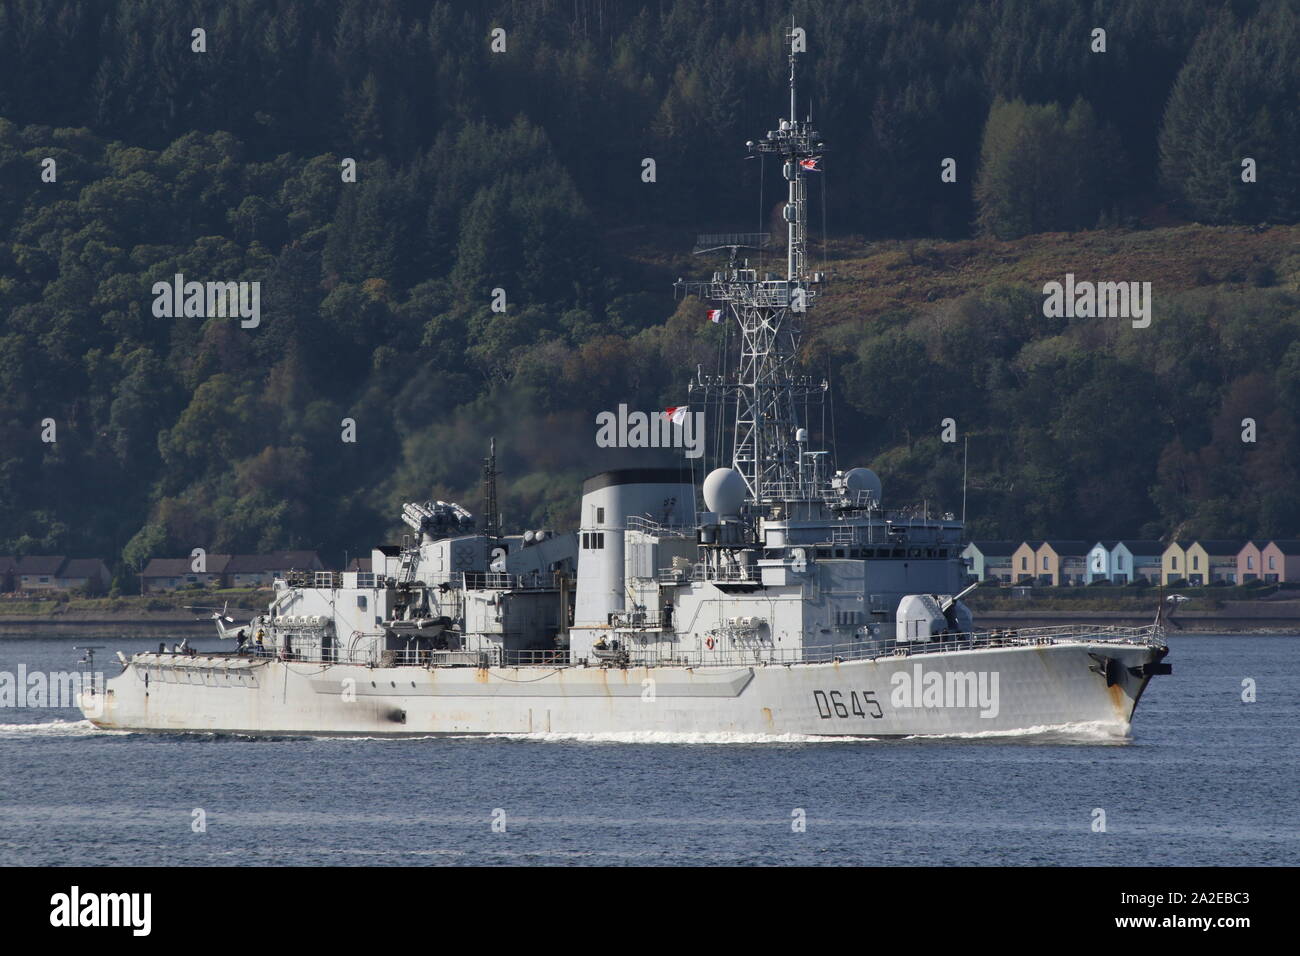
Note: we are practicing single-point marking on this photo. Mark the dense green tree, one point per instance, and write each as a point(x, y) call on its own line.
point(1235, 99)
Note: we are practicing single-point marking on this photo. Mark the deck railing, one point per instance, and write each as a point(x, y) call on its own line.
point(728, 651)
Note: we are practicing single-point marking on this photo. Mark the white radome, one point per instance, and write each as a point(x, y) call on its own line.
point(724, 491)
point(865, 480)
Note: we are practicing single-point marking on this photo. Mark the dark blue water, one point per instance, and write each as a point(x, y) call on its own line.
point(1205, 780)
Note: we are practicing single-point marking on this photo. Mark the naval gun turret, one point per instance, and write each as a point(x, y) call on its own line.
point(923, 617)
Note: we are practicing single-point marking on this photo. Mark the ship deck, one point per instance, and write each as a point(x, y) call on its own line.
point(741, 654)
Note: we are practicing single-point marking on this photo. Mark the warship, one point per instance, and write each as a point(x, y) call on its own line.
point(777, 596)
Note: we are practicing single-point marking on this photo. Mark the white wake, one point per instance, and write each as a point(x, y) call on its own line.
point(670, 737)
point(1086, 730)
point(55, 728)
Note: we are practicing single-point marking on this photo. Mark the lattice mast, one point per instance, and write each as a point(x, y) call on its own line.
point(768, 444)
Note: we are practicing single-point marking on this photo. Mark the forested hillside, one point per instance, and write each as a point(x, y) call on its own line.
point(522, 171)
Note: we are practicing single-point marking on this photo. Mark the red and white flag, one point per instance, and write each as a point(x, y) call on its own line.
point(676, 413)
point(811, 163)
point(715, 315)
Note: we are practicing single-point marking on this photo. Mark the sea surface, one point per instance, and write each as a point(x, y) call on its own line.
point(1205, 779)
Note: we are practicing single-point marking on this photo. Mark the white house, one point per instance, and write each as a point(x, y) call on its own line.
point(1098, 567)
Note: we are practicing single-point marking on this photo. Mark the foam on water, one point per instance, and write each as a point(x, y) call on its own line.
point(55, 728)
point(1087, 730)
point(668, 737)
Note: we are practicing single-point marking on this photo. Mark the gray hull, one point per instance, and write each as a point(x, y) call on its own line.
point(959, 692)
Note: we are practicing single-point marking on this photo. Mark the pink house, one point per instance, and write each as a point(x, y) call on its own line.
point(1280, 561)
point(1248, 562)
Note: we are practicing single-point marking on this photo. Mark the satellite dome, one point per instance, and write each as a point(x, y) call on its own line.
point(528, 537)
point(724, 491)
point(863, 480)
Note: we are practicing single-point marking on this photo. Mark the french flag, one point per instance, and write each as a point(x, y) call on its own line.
point(715, 315)
point(676, 413)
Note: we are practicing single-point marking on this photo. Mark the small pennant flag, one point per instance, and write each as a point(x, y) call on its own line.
point(676, 413)
point(811, 163)
point(715, 315)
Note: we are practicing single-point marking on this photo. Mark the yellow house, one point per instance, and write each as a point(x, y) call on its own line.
point(1173, 562)
point(1209, 560)
point(1024, 561)
point(1062, 563)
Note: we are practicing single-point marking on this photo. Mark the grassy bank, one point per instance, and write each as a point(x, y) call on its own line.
point(163, 605)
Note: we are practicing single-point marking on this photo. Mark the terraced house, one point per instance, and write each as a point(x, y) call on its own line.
point(1280, 561)
point(1212, 561)
point(1062, 563)
point(1249, 561)
point(227, 570)
point(1123, 562)
point(53, 572)
point(1024, 562)
point(991, 560)
point(1173, 561)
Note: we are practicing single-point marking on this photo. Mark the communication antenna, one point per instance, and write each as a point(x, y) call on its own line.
point(965, 457)
point(491, 516)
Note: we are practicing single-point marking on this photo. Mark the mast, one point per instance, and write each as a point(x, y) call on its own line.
point(768, 442)
point(491, 516)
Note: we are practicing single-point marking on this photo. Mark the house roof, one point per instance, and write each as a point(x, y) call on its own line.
point(1034, 545)
point(274, 561)
point(83, 568)
point(1068, 548)
point(7, 563)
point(1000, 548)
point(1287, 546)
point(1141, 545)
point(178, 567)
point(166, 568)
point(1220, 546)
point(40, 563)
